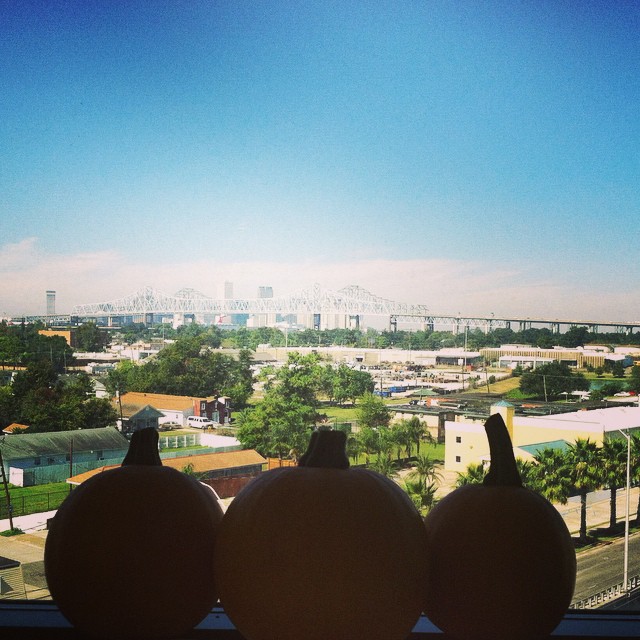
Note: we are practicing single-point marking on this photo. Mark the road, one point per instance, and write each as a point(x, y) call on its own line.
point(603, 566)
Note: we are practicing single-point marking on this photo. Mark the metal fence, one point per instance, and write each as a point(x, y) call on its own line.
point(604, 596)
point(32, 503)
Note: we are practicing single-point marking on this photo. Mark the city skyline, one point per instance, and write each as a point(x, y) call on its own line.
point(335, 308)
point(475, 158)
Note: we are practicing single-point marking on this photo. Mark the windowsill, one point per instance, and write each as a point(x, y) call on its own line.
point(31, 620)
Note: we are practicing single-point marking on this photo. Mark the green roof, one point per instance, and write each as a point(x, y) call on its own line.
point(535, 449)
point(145, 413)
point(25, 445)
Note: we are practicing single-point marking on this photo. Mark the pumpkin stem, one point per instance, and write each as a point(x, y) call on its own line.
point(143, 448)
point(327, 449)
point(503, 471)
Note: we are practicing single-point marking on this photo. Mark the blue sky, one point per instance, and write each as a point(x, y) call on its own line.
point(475, 157)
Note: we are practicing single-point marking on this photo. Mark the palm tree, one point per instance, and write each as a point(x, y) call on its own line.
point(473, 475)
point(426, 471)
point(549, 476)
point(385, 466)
point(369, 441)
point(354, 448)
point(386, 442)
point(423, 496)
point(584, 472)
point(416, 433)
point(613, 459)
point(398, 436)
point(526, 472)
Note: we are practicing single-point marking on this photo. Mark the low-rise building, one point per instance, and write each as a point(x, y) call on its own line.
point(38, 458)
point(175, 409)
point(512, 355)
point(225, 472)
point(466, 441)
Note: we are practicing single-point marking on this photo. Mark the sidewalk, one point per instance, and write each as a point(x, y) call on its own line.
point(30, 523)
point(598, 509)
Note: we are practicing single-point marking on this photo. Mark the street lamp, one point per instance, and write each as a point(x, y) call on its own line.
point(625, 578)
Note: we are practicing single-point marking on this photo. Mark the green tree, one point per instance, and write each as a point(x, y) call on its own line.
point(10, 350)
point(633, 383)
point(372, 412)
point(369, 441)
point(385, 466)
point(90, 338)
point(474, 474)
point(422, 496)
point(278, 426)
point(585, 474)
point(426, 471)
point(613, 461)
point(552, 379)
point(550, 477)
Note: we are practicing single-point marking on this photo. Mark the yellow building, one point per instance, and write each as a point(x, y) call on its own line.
point(68, 334)
point(466, 441)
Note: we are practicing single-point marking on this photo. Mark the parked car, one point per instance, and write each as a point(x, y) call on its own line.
point(200, 422)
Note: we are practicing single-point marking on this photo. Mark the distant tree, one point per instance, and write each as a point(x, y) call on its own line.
point(369, 441)
point(343, 383)
point(372, 412)
point(574, 337)
point(617, 369)
point(278, 426)
point(633, 383)
point(11, 348)
point(552, 379)
point(8, 407)
point(90, 338)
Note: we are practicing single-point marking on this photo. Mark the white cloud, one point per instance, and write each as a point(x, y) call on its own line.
point(444, 286)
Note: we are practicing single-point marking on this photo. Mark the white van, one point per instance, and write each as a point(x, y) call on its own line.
point(199, 422)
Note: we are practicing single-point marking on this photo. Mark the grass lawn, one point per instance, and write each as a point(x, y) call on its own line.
point(25, 500)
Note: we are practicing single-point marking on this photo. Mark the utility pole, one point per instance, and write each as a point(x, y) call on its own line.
point(6, 492)
point(70, 461)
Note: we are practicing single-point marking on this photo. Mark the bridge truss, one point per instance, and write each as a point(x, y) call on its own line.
point(351, 301)
point(149, 304)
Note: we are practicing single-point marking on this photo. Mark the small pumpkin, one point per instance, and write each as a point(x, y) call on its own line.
point(129, 553)
point(503, 564)
point(322, 551)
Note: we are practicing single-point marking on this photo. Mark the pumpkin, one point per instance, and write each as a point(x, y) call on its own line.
point(321, 551)
point(503, 564)
point(129, 553)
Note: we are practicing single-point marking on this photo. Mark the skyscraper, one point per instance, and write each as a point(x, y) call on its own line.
point(264, 319)
point(51, 303)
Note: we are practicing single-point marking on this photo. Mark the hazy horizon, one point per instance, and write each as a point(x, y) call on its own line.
point(475, 158)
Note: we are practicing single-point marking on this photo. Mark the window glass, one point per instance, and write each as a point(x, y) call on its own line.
point(429, 203)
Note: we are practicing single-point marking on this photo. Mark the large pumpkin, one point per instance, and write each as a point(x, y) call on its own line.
point(502, 562)
point(321, 551)
point(129, 554)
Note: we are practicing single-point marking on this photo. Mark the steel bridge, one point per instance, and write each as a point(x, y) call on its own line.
point(150, 305)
